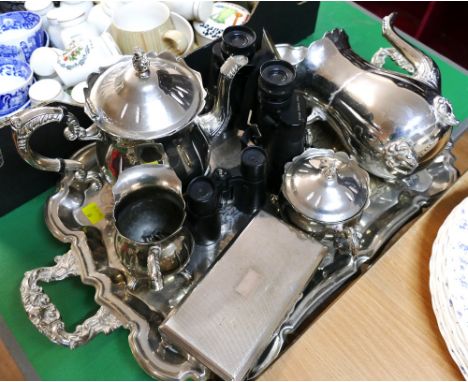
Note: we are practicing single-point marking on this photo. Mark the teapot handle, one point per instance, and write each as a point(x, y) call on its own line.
point(379, 58)
point(420, 66)
point(25, 123)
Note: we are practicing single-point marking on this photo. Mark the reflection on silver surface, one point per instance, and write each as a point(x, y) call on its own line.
point(292, 54)
point(245, 296)
point(145, 109)
point(159, 104)
point(149, 216)
point(142, 310)
point(394, 124)
point(325, 187)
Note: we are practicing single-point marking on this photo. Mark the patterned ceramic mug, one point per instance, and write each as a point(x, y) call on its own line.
point(20, 34)
point(15, 79)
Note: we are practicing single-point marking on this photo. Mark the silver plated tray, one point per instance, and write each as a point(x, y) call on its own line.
point(80, 213)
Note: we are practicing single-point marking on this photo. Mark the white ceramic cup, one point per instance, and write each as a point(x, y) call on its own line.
point(46, 91)
point(100, 19)
point(85, 6)
point(182, 25)
point(41, 7)
point(77, 93)
point(191, 10)
point(53, 28)
point(42, 61)
point(101, 14)
point(84, 57)
point(147, 25)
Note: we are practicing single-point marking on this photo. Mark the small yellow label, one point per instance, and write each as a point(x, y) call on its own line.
point(93, 213)
point(154, 162)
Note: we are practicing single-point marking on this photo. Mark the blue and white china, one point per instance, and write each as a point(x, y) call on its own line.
point(41, 7)
point(15, 79)
point(20, 34)
point(46, 39)
point(25, 106)
point(449, 283)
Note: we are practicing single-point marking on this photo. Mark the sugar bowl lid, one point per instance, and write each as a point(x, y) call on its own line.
point(146, 96)
point(325, 186)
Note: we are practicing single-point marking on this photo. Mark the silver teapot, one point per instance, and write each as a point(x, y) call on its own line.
point(393, 123)
point(145, 109)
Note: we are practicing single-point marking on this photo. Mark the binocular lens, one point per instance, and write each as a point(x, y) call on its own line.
point(239, 40)
point(277, 78)
point(201, 196)
point(278, 73)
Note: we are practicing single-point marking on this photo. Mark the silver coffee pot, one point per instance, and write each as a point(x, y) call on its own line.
point(145, 109)
point(394, 124)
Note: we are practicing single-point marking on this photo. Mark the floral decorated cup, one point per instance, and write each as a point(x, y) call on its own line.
point(20, 34)
point(15, 79)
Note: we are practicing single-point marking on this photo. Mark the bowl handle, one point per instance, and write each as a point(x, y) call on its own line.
point(45, 315)
point(25, 123)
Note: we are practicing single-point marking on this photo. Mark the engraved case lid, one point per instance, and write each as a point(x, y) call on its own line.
point(146, 96)
point(232, 314)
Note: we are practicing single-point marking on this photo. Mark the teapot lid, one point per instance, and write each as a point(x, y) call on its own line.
point(146, 96)
point(325, 186)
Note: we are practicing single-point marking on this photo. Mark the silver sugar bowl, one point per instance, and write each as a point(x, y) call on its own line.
point(323, 191)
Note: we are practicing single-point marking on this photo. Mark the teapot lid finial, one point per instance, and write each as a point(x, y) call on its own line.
point(141, 63)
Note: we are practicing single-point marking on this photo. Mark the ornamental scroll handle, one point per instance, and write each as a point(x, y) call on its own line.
point(45, 315)
point(25, 123)
point(420, 66)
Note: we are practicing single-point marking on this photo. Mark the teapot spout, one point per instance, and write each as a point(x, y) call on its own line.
point(215, 122)
point(421, 67)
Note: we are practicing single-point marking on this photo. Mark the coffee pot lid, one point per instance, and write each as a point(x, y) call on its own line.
point(326, 186)
point(147, 96)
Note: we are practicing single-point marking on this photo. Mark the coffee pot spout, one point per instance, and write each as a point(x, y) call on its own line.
point(215, 122)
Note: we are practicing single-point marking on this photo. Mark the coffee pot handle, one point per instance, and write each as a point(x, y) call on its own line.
point(45, 315)
point(25, 123)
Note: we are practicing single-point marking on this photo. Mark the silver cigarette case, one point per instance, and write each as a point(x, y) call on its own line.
point(232, 315)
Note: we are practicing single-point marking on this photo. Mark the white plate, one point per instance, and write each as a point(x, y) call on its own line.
point(448, 283)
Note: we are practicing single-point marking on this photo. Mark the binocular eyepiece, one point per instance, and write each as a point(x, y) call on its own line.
point(277, 79)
